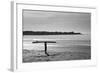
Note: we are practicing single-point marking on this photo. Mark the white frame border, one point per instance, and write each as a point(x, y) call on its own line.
point(16, 62)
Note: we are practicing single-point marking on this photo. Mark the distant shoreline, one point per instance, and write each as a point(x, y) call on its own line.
point(49, 33)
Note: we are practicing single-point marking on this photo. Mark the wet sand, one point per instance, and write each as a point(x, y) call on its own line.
point(73, 53)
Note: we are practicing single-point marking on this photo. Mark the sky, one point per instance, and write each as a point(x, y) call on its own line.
point(56, 21)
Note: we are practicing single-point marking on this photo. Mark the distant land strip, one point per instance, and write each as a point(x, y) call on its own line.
point(49, 33)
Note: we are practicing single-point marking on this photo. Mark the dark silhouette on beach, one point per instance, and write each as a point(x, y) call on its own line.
point(45, 45)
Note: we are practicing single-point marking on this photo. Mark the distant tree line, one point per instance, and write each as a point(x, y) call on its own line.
point(48, 33)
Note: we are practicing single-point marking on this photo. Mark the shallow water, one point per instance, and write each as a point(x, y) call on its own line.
point(63, 42)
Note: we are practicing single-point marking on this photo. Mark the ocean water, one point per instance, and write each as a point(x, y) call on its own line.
point(63, 42)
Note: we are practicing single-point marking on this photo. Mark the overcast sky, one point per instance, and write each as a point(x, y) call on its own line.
point(56, 21)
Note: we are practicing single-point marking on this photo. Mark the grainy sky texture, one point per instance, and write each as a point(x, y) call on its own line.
point(56, 21)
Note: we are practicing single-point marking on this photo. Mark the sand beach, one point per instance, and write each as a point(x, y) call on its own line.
point(73, 53)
